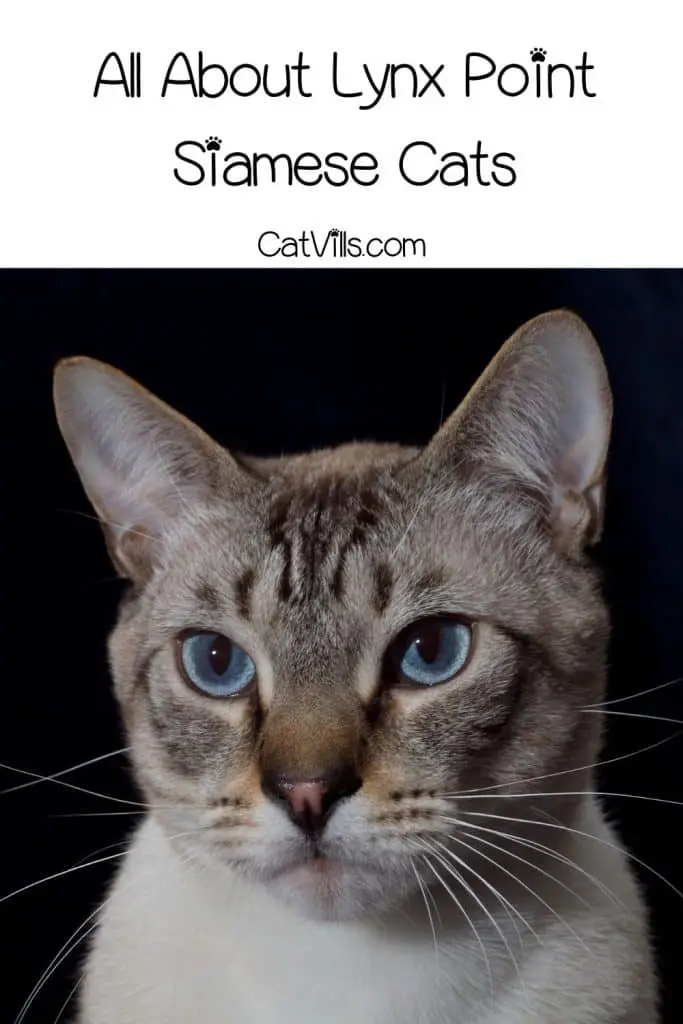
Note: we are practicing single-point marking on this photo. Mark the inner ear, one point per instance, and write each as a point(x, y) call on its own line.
point(132, 551)
point(540, 414)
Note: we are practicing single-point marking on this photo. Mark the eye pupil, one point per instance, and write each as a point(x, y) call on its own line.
point(219, 655)
point(428, 643)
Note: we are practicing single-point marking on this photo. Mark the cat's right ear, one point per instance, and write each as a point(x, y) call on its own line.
point(140, 462)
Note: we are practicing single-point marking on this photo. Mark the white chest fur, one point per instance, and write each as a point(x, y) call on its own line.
point(173, 950)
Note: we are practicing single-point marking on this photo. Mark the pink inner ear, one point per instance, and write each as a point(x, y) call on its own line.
point(577, 518)
point(134, 550)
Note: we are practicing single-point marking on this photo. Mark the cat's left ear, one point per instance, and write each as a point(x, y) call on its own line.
point(538, 418)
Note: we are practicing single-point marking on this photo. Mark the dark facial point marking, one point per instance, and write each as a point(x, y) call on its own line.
point(428, 582)
point(243, 588)
point(384, 582)
point(311, 521)
point(208, 595)
point(279, 541)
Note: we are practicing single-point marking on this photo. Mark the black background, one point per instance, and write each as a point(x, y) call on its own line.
point(271, 361)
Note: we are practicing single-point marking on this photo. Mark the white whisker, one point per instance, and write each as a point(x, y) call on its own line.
point(108, 522)
point(587, 835)
point(65, 771)
point(109, 846)
point(61, 874)
point(632, 714)
point(429, 912)
point(500, 895)
point(70, 996)
point(532, 892)
point(547, 851)
point(640, 693)
point(70, 785)
point(562, 792)
point(74, 939)
point(69, 946)
point(507, 905)
point(515, 856)
point(463, 912)
point(458, 877)
point(118, 814)
point(411, 522)
point(571, 771)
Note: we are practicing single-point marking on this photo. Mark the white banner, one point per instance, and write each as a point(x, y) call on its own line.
point(477, 134)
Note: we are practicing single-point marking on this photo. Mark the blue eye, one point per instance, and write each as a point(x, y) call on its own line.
point(214, 664)
point(430, 652)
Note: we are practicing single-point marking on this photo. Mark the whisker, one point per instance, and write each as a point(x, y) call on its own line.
point(109, 846)
point(463, 912)
point(640, 693)
point(72, 993)
point(571, 771)
point(504, 898)
point(522, 860)
point(65, 771)
point(435, 905)
point(509, 907)
point(632, 714)
point(75, 939)
point(70, 785)
point(61, 874)
point(458, 877)
point(429, 912)
point(88, 864)
point(71, 943)
point(129, 814)
point(532, 892)
point(533, 844)
point(587, 835)
point(575, 792)
point(105, 814)
point(418, 508)
point(107, 522)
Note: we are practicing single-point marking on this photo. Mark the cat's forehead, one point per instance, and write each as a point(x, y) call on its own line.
point(338, 496)
point(312, 518)
point(341, 530)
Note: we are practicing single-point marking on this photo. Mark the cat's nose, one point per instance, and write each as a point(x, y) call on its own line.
point(309, 802)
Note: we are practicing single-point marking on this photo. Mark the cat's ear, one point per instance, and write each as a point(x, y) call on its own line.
point(140, 462)
point(540, 414)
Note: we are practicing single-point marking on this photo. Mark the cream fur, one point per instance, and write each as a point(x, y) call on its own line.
point(178, 944)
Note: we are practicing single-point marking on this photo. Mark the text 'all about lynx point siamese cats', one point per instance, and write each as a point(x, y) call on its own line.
point(355, 685)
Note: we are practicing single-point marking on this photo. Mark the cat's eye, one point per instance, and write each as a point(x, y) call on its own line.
point(214, 664)
point(429, 652)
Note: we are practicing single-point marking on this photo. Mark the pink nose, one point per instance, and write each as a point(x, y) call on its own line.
point(306, 799)
point(310, 803)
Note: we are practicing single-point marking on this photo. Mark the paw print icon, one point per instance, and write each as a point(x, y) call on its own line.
point(213, 143)
point(538, 55)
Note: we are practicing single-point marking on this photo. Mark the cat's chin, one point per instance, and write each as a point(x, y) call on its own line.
point(326, 889)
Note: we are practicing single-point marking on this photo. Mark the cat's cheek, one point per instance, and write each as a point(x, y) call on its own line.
point(123, 646)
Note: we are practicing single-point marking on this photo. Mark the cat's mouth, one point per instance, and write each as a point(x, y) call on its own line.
point(334, 885)
point(315, 860)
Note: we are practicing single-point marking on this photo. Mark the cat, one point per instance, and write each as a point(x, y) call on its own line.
point(353, 682)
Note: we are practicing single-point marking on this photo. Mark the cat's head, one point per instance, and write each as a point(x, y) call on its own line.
point(319, 651)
